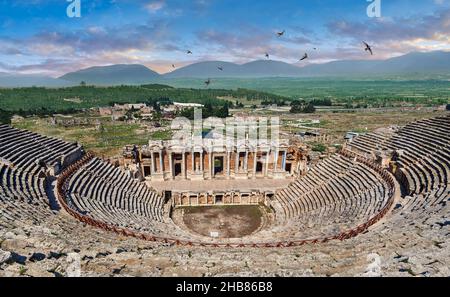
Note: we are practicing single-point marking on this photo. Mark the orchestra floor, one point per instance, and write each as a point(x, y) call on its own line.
point(223, 221)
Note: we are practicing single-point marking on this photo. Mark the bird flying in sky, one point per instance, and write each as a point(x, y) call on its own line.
point(305, 56)
point(208, 82)
point(189, 52)
point(220, 68)
point(267, 55)
point(368, 48)
point(281, 33)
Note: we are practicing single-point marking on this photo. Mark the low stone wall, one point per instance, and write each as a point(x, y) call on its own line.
point(71, 158)
point(218, 198)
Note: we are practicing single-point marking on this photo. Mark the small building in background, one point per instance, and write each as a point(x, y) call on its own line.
point(105, 111)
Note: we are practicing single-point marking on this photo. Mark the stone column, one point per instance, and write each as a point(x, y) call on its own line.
point(267, 163)
point(246, 160)
point(171, 165)
point(153, 167)
point(255, 153)
point(193, 161)
point(141, 163)
point(210, 164)
point(183, 165)
point(284, 160)
point(228, 163)
point(275, 167)
point(201, 161)
point(236, 165)
point(161, 161)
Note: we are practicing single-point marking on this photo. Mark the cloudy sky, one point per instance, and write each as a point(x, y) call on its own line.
point(37, 36)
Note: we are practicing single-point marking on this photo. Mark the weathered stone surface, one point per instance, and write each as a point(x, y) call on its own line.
point(4, 256)
point(412, 240)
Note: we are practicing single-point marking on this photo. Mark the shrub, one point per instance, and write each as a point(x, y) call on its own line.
point(319, 147)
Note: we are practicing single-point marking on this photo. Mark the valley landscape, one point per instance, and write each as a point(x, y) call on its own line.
point(114, 161)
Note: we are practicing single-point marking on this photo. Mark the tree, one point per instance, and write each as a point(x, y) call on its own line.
point(83, 83)
point(208, 110)
point(31, 100)
point(319, 147)
point(188, 113)
point(309, 108)
point(156, 107)
point(298, 106)
point(223, 112)
point(322, 102)
point(5, 117)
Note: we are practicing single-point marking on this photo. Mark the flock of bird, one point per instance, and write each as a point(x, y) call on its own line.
point(367, 48)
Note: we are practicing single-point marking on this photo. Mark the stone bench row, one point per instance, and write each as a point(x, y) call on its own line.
point(25, 149)
point(120, 191)
point(20, 185)
point(334, 218)
point(301, 197)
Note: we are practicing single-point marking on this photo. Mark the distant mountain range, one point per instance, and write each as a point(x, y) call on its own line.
point(426, 63)
point(15, 80)
point(431, 63)
point(113, 75)
point(261, 68)
point(437, 62)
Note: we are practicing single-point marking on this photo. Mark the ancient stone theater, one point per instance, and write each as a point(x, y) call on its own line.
point(384, 195)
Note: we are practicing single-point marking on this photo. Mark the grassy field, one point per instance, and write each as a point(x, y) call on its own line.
point(337, 124)
point(161, 135)
point(380, 91)
point(108, 138)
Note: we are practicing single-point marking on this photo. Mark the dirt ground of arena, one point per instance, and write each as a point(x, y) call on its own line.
point(223, 221)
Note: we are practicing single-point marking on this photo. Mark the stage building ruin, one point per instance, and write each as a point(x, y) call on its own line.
point(165, 161)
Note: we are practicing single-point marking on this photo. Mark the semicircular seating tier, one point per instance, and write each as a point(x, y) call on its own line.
point(338, 195)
